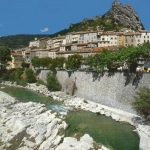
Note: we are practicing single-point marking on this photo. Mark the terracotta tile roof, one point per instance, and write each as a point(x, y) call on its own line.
point(120, 34)
point(16, 54)
point(40, 50)
point(107, 33)
point(132, 33)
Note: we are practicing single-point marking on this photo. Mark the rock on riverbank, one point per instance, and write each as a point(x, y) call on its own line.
point(30, 126)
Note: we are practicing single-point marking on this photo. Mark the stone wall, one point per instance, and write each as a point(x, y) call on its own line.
point(42, 74)
point(114, 90)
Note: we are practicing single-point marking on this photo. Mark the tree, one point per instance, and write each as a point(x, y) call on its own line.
point(36, 62)
point(45, 62)
point(24, 65)
point(52, 82)
point(5, 54)
point(74, 61)
point(57, 63)
point(30, 76)
point(141, 101)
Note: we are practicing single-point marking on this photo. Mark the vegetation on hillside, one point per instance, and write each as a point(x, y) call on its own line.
point(19, 41)
point(4, 54)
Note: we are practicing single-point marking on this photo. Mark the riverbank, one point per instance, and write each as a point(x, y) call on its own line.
point(30, 126)
point(118, 115)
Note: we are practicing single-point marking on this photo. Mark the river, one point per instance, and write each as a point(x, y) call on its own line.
point(104, 130)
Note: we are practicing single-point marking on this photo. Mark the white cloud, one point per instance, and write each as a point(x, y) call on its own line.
point(1, 25)
point(44, 30)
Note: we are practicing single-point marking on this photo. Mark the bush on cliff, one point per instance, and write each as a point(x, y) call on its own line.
point(142, 102)
point(52, 82)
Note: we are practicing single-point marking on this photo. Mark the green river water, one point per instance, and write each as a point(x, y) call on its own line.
point(104, 130)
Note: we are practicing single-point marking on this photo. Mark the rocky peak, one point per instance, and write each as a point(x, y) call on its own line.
point(125, 15)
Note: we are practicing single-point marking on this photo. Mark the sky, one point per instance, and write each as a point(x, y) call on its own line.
point(50, 16)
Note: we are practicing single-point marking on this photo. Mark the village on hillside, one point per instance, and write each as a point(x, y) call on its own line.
point(85, 43)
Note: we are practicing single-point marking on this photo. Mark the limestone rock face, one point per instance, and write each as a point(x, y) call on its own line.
point(124, 15)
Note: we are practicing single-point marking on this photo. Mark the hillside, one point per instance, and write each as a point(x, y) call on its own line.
point(118, 16)
point(19, 41)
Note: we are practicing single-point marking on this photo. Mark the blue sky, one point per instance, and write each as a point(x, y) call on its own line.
point(50, 16)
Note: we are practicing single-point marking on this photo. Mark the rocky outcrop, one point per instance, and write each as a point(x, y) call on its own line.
point(85, 142)
point(124, 15)
point(28, 126)
point(144, 134)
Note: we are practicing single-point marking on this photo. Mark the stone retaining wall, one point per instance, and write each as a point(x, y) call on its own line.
point(114, 90)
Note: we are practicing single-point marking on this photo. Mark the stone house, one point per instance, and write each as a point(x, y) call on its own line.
point(56, 42)
point(120, 39)
point(104, 39)
point(52, 53)
point(145, 36)
point(17, 59)
point(34, 43)
point(129, 38)
point(43, 43)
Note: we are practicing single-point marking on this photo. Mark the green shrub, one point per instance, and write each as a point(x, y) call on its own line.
point(30, 76)
point(22, 82)
point(52, 82)
point(5, 77)
point(141, 102)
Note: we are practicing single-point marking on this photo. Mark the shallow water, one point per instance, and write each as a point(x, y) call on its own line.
point(119, 136)
point(25, 95)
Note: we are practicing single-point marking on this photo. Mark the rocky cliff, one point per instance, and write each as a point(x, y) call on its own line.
point(125, 15)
